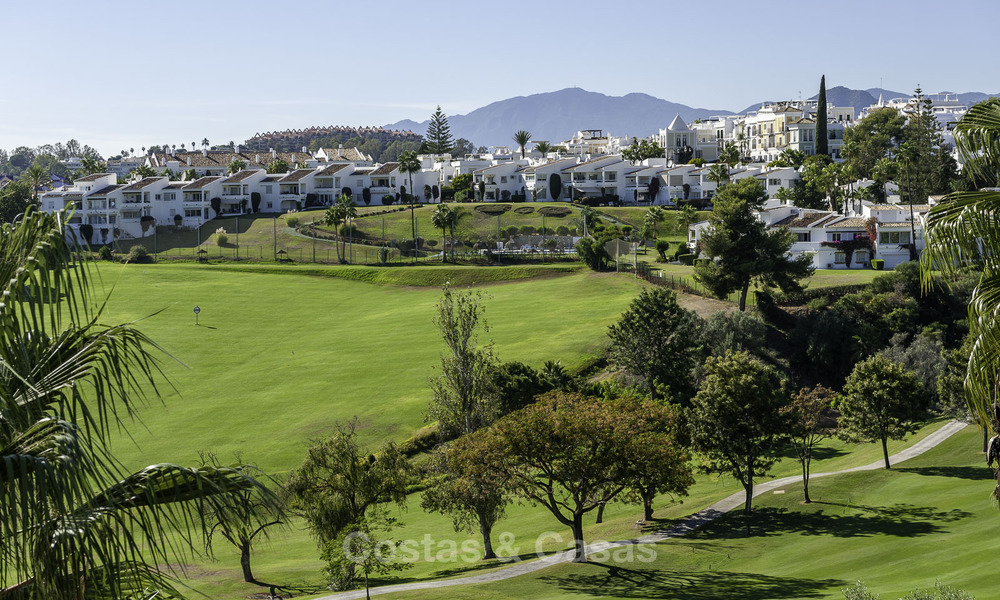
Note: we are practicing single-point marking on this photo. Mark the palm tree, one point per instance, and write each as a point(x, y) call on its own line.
point(143, 171)
point(236, 166)
point(73, 523)
point(521, 138)
point(204, 143)
point(440, 219)
point(342, 213)
point(729, 154)
point(544, 148)
point(36, 176)
point(719, 174)
point(961, 233)
point(409, 164)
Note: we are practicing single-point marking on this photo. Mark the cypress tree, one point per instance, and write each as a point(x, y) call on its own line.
point(822, 141)
point(438, 139)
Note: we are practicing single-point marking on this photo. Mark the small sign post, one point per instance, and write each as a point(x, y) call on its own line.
point(196, 311)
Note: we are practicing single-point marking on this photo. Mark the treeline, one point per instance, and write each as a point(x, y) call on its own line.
point(15, 162)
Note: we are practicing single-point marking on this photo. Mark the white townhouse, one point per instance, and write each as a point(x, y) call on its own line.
point(237, 191)
point(595, 178)
point(384, 181)
point(330, 180)
point(678, 140)
point(293, 189)
point(777, 178)
point(344, 155)
point(500, 181)
point(537, 178)
point(217, 162)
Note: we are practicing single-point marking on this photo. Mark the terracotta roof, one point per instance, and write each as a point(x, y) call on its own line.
point(568, 162)
point(348, 154)
point(175, 186)
point(362, 171)
point(105, 190)
point(591, 162)
point(93, 177)
point(333, 169)
point(296, 175)
point(202, 182)
point(216, 158)
point(138, 185)
point(851, 222)
point(385, 169)
point(242, 175)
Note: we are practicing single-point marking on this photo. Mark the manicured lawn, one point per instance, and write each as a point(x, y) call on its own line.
point(928, 519)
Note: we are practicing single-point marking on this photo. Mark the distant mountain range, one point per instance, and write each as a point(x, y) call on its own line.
point(556, 116)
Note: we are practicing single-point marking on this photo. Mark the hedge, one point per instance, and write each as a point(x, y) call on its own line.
point(686, 259)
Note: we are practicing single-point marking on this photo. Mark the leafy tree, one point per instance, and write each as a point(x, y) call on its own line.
point(72, 519)
point(810, 421)
point(464, 397)
point(462, 182)
point(463, 147)
point(340, 480)
point(734, 331)
point(742, 250)
point(364, 548)
point(216, 204)
point(640, 150)
point(655, 340)
point(517, 385)
point(822, 141)
point(661, 249)
point(468, 490)
point(87, 231)
point(15, 198)
point(878, 403)
point(871, 139)
point(572, 454)
point(438, 139)
point(255, 201)
point(735, 418)
point(428, 193)
point(253, 516)
point(522, 138)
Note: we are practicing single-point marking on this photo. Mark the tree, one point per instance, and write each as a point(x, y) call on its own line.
point(72, 520)
point(340, 480)
point(236, 166)
point(810, 421)
point(822, 141)
point(36, 177)
point(879, 403)
point(408, 165)
point(465, 488)
point(438, 139)
point(789, 157)
point(640, 150)
point(253, 517)
point(277, 166)
point(730, 154)
point(735, 421)
point(718, 173)
point(341, 214)
point(742, 250)
point(15, 198)
point(463, 395)
point(573, 454)
point(871, 139)
point(655, 340)
point(143, 171)
point(555, 186)
point(650, 220)
point(441, 219)
point(364, 548)
point(543, 148)
point(522, 138)
point(686, 217)
point(921, 139)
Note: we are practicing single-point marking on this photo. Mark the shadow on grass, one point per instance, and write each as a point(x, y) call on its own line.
point(817, 454)
point(973, 473)
point(842, 520)
point(619, 582)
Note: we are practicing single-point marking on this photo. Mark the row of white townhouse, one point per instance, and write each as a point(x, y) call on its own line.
point(820, 233)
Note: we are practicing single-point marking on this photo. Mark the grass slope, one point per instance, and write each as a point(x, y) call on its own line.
point(927, 519)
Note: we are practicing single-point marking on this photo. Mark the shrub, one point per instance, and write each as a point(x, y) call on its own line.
point(524, 210)
point(562, 230)
point(491, 209)
point(511, 231)
point(137, 254)
point(221, 237)
point(178, 220)
point(661, 248)
point(681, 249)
point(878, 264)
point(349, 230)
point(104, 253)
point(388, 199)
point(255, 201)
point(292, 221)
point(686, 259)
point(422, 440)
point(555, 211)
point(527, 230)
point(702, 261)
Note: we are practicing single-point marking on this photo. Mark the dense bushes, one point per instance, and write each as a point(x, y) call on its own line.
point(137, 254)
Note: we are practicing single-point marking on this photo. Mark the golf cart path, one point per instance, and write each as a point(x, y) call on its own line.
point(679, 529)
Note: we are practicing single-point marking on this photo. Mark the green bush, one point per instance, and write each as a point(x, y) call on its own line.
point(562, 230)
point(701, 261)
point(137, 254)
point(292, 221)
point(686, 259)
point(679, 250)
point(422, 440)
point(878, 264)
point(555, 211)
point(104, 253)
point(492, 209)
point(221, 237)
point(661, 248)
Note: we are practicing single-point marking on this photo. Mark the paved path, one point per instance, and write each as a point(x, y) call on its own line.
point(677, 530)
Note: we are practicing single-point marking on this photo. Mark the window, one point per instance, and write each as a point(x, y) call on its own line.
point(861, 257)
point(772, 181)
point(267, 190)
point(503, 179)
point(192, 212)
point(269, 204)
point(802, 237)
point(839, 258)
point(894, 237)
point(158, 196)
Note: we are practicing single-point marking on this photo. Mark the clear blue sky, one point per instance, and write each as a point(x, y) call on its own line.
point(130, 74)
